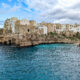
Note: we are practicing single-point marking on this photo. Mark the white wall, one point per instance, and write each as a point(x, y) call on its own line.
point(75, 29)
point(44, 29)
point(63, 28)
point(13, 26)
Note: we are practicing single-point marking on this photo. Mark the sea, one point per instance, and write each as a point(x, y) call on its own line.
point(41, 62)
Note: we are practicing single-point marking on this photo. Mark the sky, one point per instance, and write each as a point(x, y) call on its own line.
point(54, 11)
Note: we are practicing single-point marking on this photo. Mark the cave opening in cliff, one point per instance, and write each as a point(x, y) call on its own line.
point(9, 42)
point(5, 42)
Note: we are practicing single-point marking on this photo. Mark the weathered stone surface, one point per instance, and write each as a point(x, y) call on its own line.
point(26, 33)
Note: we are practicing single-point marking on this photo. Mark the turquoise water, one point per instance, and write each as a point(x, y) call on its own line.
point(42, 62)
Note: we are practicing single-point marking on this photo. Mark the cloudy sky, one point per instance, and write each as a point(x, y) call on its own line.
point(56, 11)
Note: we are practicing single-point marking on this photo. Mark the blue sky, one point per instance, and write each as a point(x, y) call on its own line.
point(15, 8)
point(57, 11)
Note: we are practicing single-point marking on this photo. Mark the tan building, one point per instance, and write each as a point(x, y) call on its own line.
point(12, 22)
point(25, 29)
point(50, 27)
point(9, 25)
point(58, 28)
point(1, 31)
point(24, 22)
point(43, 29)
point(34, 23)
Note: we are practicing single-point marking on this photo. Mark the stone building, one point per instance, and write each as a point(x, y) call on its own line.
point(12, 21)
point(22, 27)
point(24, 22)
point(15, 26)
point(25, 29)
point(43, 28)
point(9, 25)
point(58, 28)
point(34, 23)
point(1, 31)
point(50, 27)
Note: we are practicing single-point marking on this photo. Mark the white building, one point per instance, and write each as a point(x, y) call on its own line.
point(45, 30)
point(62, 29)
point(75, 29)
point(69, 27)
point(12, 22)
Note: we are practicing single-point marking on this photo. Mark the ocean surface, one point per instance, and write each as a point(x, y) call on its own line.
point(42, 62)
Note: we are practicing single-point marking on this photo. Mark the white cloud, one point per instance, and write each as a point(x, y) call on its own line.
point(14, 8)
point(40, 4)
point(67, 3)
point(8, 9)
point(4, 5)
point(49, 10)
point(56, 10)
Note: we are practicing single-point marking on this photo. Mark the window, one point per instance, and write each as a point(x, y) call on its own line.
point(28, 30)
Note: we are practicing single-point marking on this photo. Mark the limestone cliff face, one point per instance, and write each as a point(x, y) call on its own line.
point(29, 33)
point(34, 39)
point(7, 27)
point(1, 31)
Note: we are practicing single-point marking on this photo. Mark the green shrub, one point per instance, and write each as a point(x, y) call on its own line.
point(78, 35)
point(52, 33)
